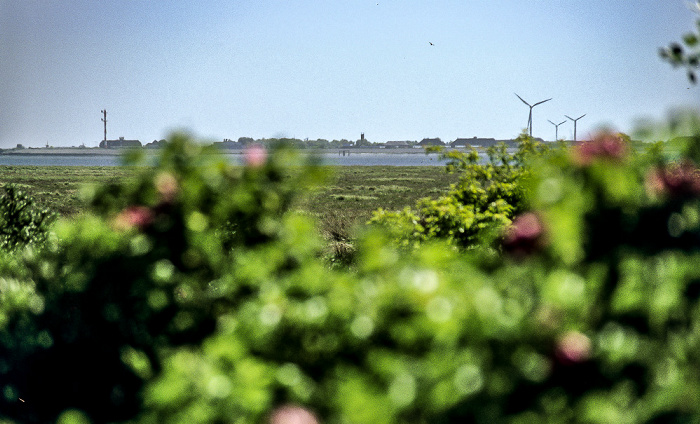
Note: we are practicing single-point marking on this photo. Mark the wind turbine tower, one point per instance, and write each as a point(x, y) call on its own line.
point(556, 129)
point(104, 112)
point(575, 120)
point(529, 118)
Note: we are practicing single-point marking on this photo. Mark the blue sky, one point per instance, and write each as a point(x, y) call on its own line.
point(333, 69)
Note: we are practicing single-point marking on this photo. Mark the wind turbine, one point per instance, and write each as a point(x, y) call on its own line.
point(529, 118)
point(575, 120)
point(556, 129)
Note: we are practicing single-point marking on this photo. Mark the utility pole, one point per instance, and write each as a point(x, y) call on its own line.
point(104, 112)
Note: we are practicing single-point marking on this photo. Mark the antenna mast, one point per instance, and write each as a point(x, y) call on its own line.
point(104, 112)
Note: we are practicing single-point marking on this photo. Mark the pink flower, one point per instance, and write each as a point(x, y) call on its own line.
point(139, 217)
point(292, 414)
point(605, 145)
point(573, 348)
point(167, 186)
point(255, 156)
point(525, 234)
point(677, 180)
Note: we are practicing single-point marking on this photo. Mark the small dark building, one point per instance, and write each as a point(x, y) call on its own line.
point(474, 142)
point(156, 144)
point(228, 144)
point(461, 142)
point(397, 145)
point(119, 144)
point(431, 142)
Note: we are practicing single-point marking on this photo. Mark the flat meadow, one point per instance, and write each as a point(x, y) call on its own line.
point(346, 199)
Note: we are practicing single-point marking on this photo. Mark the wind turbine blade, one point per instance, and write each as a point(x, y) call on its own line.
point(521, 99)
point(551, 122)
point(539, 103)
point(570, 117)
point(562, 122)
point(581, 116)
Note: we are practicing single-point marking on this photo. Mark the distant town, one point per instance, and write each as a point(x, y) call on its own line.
point(344, 145)
point(235, 145)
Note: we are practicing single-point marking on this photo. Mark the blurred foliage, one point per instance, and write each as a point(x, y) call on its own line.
point(487, 196)
point(22, 223)
point(190, 293)
point(685, 53)
point(147, 270)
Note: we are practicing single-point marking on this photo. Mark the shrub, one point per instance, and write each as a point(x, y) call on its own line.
point(149, 269)
point(193, 295)
point(484, 201)
point(22, 223)
point(597, 324)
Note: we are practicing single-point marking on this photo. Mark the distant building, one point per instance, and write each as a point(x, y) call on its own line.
point(397, 145)
point(156, 144)
point(474, 142)
point(119, 144)
point(228, 144)
point(461, 142)
point(431, 142)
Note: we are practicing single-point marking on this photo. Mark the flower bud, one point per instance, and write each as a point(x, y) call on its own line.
point(677, 180)
point(255, 155)
point(525, 234)
point(574, 347)
point(605, 145)
point(292, 414)
point(139, 217)
point(167, 186)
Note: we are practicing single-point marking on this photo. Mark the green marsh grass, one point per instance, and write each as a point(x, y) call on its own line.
point(345, 201)
point(353, 192)
point(58, 187)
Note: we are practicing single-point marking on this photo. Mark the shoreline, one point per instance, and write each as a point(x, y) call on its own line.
point(117, 152)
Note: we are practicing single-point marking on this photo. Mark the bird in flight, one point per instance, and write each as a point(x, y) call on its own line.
point(431, 43)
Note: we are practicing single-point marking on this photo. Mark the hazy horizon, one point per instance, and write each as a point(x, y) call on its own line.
point(393, 70)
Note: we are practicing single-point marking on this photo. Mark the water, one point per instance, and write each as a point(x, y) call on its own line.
point(59, 160)
point(383, 159)
point(353, 159)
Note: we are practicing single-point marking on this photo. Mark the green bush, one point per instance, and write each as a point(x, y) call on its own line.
point(599, 327)
point(484, 200)
point(149, 269)
point(22, 223)
point(194, 295)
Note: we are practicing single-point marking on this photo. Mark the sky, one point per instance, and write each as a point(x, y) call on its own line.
point(334, 69)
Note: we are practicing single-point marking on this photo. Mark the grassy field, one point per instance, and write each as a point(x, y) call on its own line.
point(348, 198)
point(57, 187)
point(353, 192)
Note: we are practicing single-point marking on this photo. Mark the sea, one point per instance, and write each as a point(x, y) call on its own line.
point(335, 158)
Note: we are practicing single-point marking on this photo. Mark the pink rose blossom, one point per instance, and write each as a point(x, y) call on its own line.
point(525, 234)
point(167, 186)
point(292, 414)
point(139, 217)
point(677, 180)
point(605, 145)
point(573, 348)
point(255, 156)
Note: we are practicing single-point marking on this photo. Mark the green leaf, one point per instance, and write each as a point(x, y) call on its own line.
point(690, 40)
